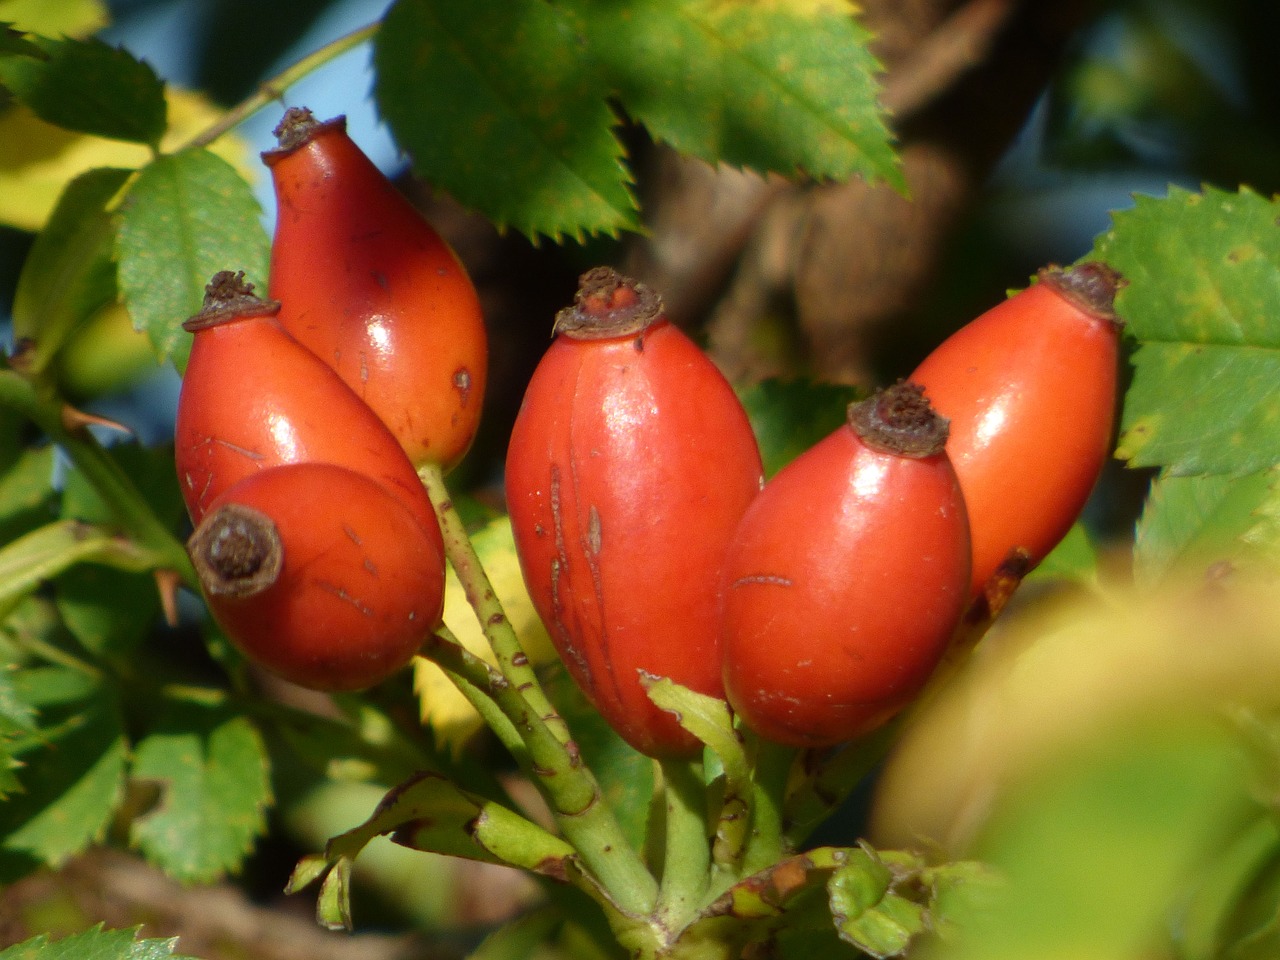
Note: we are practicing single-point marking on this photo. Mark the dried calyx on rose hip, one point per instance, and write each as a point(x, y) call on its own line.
point(252, 397)
point(320, 575)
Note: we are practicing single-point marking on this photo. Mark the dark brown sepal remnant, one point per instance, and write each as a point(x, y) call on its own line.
point(609, 305)
point(227, 297)
point(900, 420)
point(236, 551)
point(296, 129)
point(1092, 286)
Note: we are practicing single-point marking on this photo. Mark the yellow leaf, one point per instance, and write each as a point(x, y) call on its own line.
point(37, 159)
point(64, 18)
point(443, 708)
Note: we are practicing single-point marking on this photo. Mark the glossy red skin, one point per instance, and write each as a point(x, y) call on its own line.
point(630, 463)
point(252, 398)
point(842, 587)
point(361, 586)
point(1030, 389)
point(369, 286)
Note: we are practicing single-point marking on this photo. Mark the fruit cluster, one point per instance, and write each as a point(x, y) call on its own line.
point(302, 418)
point(818, 604)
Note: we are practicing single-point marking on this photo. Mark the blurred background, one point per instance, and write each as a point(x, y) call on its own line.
point(1022, 125)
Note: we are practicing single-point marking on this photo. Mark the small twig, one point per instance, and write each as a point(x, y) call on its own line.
point(273, 90)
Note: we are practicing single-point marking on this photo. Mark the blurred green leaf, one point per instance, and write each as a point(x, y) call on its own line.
point(521, 938)
point(187, 216)
point(211, 766)
point(771, 87)
point(1202, 300)
point(1075, 558)
point(1194, 522)
point(89, 87)
point(49, 550)
point(790, 416)
point(95, 944)
point(26, 492)
point(1100, 839)
point(511, 87)
point(72, 778)
point(70, 272)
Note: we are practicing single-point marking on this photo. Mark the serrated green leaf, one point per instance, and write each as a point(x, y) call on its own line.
point(95, 944)
point(187, 216)
point(72, 776)
point(504, 113)
point(70, 272)
point(69, 18)
point(211, 765)
point(1193, 522)
point(790, 416)
point(89, 87)
point(16, 717)
point(782, 87)
point(1203, 301)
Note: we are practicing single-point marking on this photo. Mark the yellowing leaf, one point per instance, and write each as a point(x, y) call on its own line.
point(64, 18)
point(443, 707)
point(37, 159)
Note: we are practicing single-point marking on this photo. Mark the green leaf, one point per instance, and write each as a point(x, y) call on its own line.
point(25, 492)
point(211, 764)
point(72, 778)
point(1099, 841)
point(1074, 558)
point(505, 113)
point(1203, 301)
point(1191, 523)
point(521, 938)
point(16, 717)
point(49, 550)
point(790, 416)
point(785, 87)
point(69, 272)
point(187, 216)
point(89, 87)
point(95, 944)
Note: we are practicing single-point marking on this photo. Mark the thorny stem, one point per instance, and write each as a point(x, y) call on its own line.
point(130, 507)
point(570, 788)
point(273, 90)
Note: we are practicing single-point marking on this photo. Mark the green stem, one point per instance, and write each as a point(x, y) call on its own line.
point(554, 760)
point(832, 780)
point(476, 681)
point(513, 663)
point(129, 507)
point(687, 860)
point(273, 90)
point(765, 845)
